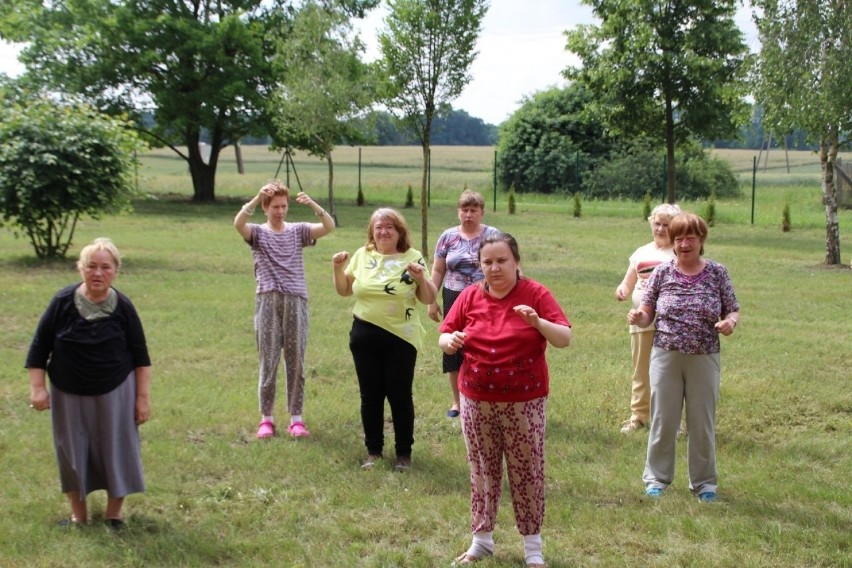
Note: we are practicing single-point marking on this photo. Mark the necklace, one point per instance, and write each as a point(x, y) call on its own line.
point(691, 279)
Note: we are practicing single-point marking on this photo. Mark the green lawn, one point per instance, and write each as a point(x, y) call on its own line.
point(218, 497)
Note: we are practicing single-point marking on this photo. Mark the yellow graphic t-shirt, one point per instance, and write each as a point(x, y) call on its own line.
point(385, 293)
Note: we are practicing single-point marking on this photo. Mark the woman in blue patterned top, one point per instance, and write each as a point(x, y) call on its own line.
point(456, 266)
point(693, 300)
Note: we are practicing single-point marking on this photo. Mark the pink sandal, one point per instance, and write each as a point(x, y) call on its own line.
point(266, 429)
point(298, 430)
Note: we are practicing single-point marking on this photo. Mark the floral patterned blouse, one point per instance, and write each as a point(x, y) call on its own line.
point(688, 307)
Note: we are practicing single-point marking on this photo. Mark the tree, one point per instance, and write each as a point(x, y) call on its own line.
point(543, 142)
point(325, 87)
point(666, 69)
point(427, 47)
point(802, 79)
point(59, 162)
point(197, 65)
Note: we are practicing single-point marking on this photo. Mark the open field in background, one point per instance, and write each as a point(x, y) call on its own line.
point(387, 172)
point(218, 497)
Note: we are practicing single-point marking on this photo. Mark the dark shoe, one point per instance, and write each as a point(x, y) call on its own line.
point(452, 413)
point(371, 461)
point(115, 524)
point(403, 464)
point(71, 523)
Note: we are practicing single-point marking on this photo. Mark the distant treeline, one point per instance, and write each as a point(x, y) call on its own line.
point(458, 128)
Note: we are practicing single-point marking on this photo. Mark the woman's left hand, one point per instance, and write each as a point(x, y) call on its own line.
point(528, 314)
point(143, 410)
point(416, 271)
point(725, 326)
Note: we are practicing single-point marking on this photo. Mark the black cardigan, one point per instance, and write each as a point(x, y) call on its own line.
point(83, 357)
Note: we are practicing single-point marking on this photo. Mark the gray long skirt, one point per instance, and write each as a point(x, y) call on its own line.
point(97, 441)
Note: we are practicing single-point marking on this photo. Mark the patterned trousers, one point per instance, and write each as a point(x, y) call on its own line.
point(514, 431)
point(281, 324)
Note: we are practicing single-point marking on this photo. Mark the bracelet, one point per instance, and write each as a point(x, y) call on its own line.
point(320, 213)
point(247, 211)
point(732, 320)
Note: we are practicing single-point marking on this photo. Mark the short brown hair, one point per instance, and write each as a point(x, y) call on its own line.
point(688, 224)
point(470, 198)
point(278, 189)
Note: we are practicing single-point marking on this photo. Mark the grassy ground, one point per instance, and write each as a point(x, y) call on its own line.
point(218, 497)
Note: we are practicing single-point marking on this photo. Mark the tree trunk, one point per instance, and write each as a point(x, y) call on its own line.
point(203, 174)
point(331, 210)
point(424, 208)
point(827, 157)
point(670, 153)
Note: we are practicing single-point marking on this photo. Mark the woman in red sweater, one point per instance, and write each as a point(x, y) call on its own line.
point(504, 324)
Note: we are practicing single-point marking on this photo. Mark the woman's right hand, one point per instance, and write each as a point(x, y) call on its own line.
point(340, 258)
point(621, 293)
point(634, 317)
point(450, 343)
point(435, 312)
point(39, 398)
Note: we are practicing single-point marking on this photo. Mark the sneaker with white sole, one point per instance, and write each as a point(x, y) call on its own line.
point(707, 496)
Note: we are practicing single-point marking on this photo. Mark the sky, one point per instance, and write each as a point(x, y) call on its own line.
point(521, 50)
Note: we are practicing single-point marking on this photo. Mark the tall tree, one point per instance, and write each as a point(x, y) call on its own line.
point(427, 49)
point(802, 78)
point(200, 67)
point(666, 69)
point(325, 85)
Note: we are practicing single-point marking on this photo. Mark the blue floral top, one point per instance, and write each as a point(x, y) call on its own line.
point(461, 256)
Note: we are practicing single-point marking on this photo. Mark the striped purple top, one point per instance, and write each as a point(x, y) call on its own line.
point(278, 262)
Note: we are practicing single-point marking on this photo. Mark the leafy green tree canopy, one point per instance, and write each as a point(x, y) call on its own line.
point(427, 49)
point(59, 162)
point(668, 70)
point(325, 85)
point(547, 138)
point(197, 65)
point(802, 78)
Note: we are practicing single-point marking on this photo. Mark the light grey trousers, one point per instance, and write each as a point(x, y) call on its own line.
point(281, 324)
point(681, 380)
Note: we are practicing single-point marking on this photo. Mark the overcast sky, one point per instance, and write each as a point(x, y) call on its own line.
point(521, 51)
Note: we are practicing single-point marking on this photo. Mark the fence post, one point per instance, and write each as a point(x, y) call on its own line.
point(495, 180)
point(753, 183)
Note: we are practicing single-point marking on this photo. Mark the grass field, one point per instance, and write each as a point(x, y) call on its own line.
point(218, 497)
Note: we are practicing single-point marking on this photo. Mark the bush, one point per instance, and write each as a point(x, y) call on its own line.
point(785, 219)
point(578, 208)
point(57, 163)
point(409, 198)
point(638, 168)
point(710, 214)
point(512, 200)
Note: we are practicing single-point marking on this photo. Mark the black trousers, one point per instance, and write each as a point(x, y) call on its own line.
point(384, 364)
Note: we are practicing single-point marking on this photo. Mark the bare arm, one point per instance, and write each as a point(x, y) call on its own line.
point(556, 334)
point(642, 317)
point(245, 213)
point(326, 224)
point(342, 281)
point(39, 395)
point(143, 394)
point(439, 269)
point(426, 291)
point(628, 283)
point(727, 325)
